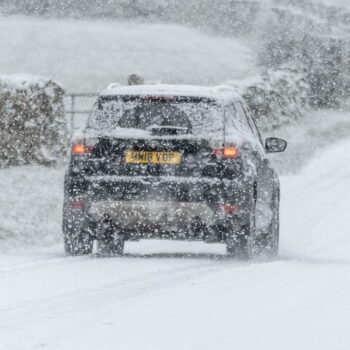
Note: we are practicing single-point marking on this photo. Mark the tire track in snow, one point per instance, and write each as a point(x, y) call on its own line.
point(78, 299)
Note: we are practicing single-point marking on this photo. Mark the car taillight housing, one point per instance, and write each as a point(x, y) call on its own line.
point(228, 152)
point(229, 208)
point(77, 205)
point(81, 149)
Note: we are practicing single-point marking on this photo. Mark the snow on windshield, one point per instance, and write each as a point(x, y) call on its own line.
point(199, 118)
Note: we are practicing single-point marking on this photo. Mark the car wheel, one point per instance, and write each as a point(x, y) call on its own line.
point(271, 242)
point(78, 243)
point(242, 244)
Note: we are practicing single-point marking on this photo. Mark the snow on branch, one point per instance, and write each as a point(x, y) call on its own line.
point(277, 97)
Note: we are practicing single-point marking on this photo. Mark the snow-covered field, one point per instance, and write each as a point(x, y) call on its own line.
point(30, 206)
point(88, 55)
point(340, 3)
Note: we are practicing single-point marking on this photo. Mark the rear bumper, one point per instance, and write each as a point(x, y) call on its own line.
point(152, 188)
point(179, 208)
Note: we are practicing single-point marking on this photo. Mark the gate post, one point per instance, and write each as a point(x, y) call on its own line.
point(72, 115)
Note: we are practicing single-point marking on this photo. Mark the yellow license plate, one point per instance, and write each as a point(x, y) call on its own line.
point(152, 157)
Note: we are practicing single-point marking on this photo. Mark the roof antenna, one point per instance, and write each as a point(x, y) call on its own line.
point(135, 79)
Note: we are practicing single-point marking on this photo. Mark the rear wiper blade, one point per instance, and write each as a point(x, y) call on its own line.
point(168, 130)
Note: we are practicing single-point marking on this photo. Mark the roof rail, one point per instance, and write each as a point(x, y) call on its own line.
point(113, 86)
point(223, 88)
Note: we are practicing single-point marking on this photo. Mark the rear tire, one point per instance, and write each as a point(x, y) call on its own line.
point(78, 243)
point(242, 244)
point(271, 242)
point(240, 248)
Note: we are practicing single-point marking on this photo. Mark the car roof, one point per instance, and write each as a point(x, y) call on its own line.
point(221, 93)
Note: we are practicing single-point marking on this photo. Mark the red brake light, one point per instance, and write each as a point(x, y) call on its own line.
point(228, 208)
point(78, 149)
point(82, 149)
point(218, 152)
point(226, 152)
point(230, 152)
point(77, 204)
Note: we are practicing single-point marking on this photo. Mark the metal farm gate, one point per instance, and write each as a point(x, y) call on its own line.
point(78, 107)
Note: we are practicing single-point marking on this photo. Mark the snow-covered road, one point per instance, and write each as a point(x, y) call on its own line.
point(176, 295)
point(171, 295)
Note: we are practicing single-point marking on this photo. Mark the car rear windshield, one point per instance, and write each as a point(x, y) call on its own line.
point(200, 117)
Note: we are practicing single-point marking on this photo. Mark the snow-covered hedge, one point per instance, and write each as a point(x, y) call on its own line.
point(277, 97)
point(33, 127)
point(313, 37)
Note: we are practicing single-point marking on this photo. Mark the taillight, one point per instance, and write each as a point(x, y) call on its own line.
point(228, 208)
point(226, 152)
point(84, 145)
point(77, 205)
point(82, 149)
point(230, 152)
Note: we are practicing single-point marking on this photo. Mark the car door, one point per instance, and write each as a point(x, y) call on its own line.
point(267, 179)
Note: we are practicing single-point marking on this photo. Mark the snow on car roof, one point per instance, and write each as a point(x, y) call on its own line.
point(220, 93)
